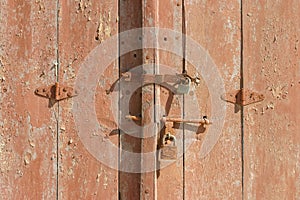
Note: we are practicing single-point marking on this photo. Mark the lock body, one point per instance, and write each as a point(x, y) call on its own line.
point(168, 153)
point(168, 150)
point(184, 86)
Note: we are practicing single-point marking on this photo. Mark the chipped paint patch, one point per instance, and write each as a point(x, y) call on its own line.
point(235, 75)
point(232, 29)
point(279, 92)
point(104, 29)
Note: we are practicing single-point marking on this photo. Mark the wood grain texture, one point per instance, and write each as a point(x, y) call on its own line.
point(148, 184)
point(83, 25)
point(27, 124)
point(271, 67)
point(254, 44)
point(216, 26)
point(130, 17)
point(170, 178)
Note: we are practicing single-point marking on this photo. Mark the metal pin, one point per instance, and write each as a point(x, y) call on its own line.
point(132, 117)
point(180, 120)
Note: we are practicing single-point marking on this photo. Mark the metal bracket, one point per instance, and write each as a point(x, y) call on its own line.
point(243, 97)
point(57, 92)
point(156, 78)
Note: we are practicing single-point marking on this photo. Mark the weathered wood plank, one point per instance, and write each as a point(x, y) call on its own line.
point(215, 25)
point(170, 174)
point(130, 18)
point(148, 179)
point(271, 67)
point(27, 124)
point(84, 25)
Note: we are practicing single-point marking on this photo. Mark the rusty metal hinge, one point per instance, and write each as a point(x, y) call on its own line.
point(243, 97)
point(57, 92)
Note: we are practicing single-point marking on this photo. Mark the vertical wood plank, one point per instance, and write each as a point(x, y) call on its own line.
point(271, 67)
point(84, 24)
point(170, 178)
point(148, 179)
point(130, 19)
point(215, 25)
point(27, 124)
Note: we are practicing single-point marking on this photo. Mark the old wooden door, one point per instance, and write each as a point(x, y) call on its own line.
point(104, 143)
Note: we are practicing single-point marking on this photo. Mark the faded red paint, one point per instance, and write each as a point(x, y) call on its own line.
point(83, 25)
point(215, 25)
point(27, 124)
point(260, 163)
point(130, 182)
point(150, 56)
point(271, 66)
point(170, 179)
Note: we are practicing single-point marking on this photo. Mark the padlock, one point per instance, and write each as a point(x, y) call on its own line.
point(168, 149)
point(184, 86)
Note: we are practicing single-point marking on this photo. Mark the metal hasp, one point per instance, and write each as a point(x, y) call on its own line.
point(243, 97)
point(182, 81)
point(57, 92)
point(168, 149)
point(156, 78)
point(203, 121)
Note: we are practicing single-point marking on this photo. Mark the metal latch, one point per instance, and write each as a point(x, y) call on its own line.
point(243, 97)
point(203, 121)
point(168, 149)
point(182, 81)
point(57, 92)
